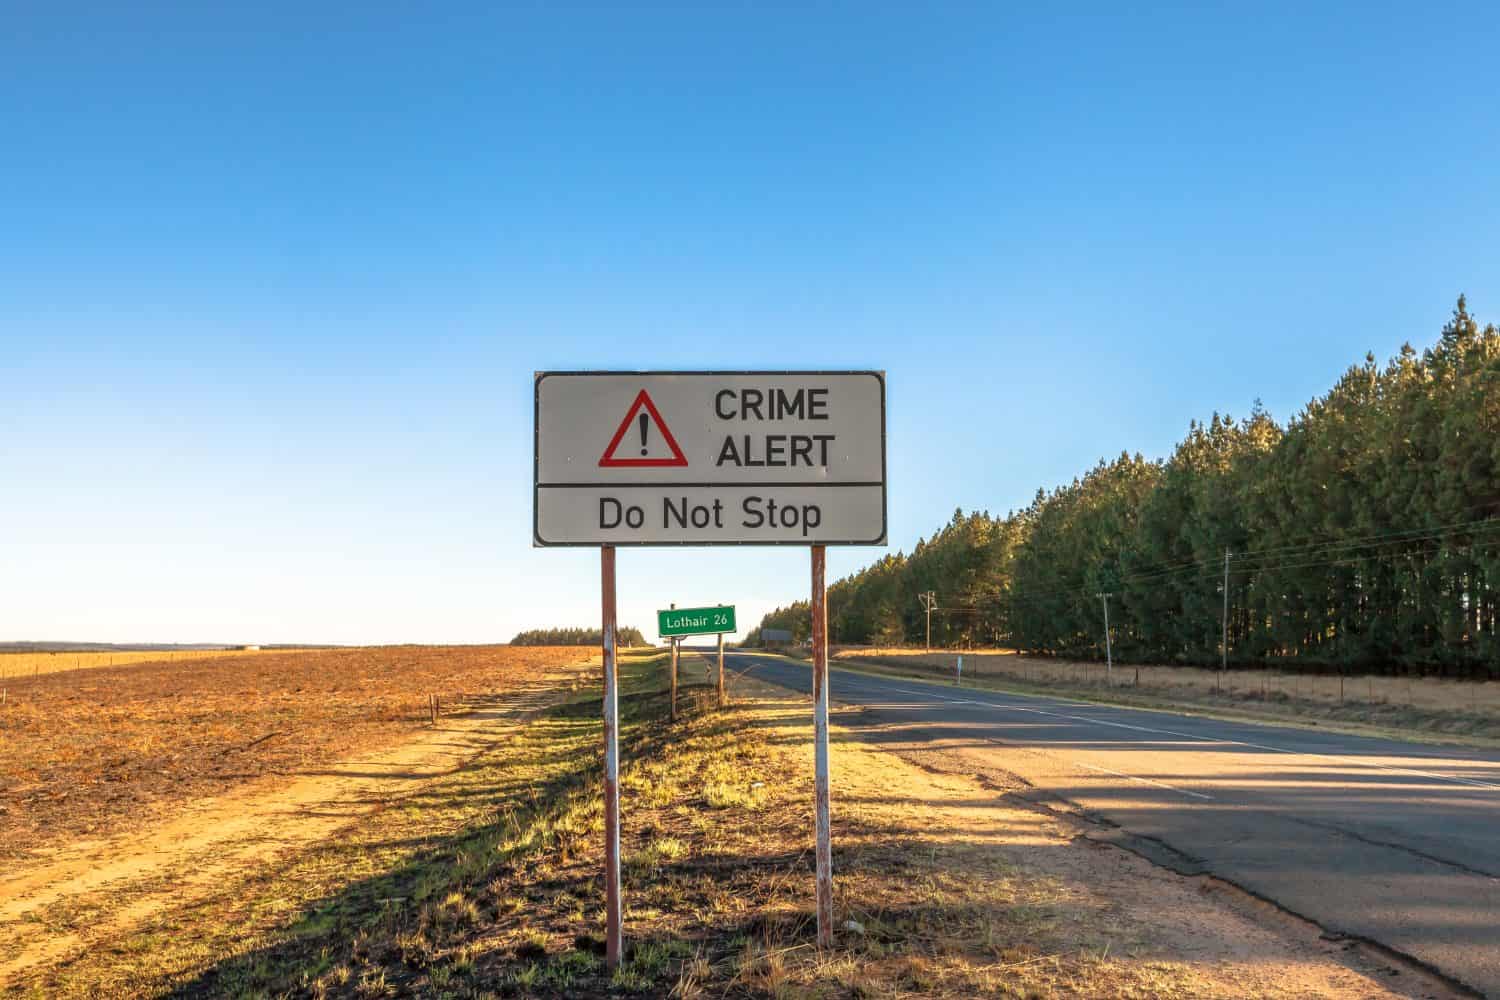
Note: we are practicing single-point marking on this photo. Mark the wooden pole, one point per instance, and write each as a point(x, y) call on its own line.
point(721, 669)
point(1109, 656)
point(928, 600)
point(1224, 642)
point(824, 849)
point(611, 762)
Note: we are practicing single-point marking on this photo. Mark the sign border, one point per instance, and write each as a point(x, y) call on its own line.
point(707, 607)
point(538, 541)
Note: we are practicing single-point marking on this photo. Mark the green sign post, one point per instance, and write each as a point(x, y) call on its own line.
point(695, 621)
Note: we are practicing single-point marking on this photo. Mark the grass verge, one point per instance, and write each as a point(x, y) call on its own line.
point(487, 882)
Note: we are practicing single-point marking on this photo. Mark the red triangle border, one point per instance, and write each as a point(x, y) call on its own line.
point(678, 459)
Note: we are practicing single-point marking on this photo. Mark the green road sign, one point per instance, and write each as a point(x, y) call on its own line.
point(695, 621)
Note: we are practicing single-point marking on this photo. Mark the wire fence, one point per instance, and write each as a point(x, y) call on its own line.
point(1385, 695)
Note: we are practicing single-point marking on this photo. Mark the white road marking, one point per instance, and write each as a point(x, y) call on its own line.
point(1144, 781)
point(1346, 760)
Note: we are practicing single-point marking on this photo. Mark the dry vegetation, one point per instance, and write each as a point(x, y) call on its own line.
point(17, 667)
point(487, 882)
point(89, 752)
point(1427, 705)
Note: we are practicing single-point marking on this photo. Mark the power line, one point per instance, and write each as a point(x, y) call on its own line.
point(1352, 541)
point(1353, 551)
point(1254, 561)
point(1077, 592)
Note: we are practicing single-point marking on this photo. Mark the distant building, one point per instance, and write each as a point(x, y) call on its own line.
point(247, 647)
point(775, 637)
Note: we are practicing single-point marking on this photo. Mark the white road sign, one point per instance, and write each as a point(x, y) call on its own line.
point(710, 458)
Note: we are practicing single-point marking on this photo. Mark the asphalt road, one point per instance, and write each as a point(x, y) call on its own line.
point(1394, 842)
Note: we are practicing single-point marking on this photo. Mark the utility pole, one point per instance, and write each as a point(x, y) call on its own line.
point(929, 603)
point(1224, 643)
point(1109, 656)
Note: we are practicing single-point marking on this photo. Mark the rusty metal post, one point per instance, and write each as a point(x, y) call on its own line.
point(674, 680)
point(820, 747)
point(721, 669)
point(611, 763)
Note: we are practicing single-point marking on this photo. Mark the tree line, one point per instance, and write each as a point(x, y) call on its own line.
point(1361, 534)
point(626, 636)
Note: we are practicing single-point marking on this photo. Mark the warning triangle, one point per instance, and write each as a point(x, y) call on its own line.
point(637, 425)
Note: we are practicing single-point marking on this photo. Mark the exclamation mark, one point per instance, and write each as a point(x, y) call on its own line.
point(644, 425)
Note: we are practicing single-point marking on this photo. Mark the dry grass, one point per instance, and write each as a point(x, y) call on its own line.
point(488, 883)
point(21, 666)
point(1470, 708)
point(94, 751)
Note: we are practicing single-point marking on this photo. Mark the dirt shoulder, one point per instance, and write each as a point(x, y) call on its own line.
point(1133, 928)
point(485, 879)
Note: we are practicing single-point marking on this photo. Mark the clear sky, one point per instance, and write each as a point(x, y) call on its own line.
point(274, 282)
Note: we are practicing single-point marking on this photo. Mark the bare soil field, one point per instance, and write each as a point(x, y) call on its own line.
point(94, 751)
point(1425, 705)
point(101, 890)
point(484, 880)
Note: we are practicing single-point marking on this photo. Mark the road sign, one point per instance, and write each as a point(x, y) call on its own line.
point(710, 458)
point(695, 621)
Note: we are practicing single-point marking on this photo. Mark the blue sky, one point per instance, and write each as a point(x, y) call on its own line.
point(273, 282)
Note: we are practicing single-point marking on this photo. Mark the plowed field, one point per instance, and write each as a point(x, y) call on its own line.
point(94, 751)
